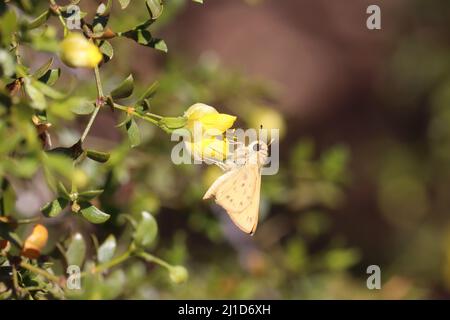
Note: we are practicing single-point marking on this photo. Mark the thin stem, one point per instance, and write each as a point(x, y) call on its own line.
point(136, 114)
point(60, 17)
point(30, 220)
point(151, 258)
point(153, 115)
point(40, 271)
point(15, 279)
point(111, 263)
point(98, 103)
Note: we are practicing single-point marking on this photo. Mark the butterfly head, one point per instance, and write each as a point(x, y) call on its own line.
point(259, 150)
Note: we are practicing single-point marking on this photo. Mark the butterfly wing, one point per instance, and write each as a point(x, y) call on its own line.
point(238, 192)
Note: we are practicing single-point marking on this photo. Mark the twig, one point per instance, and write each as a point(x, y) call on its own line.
point(98, 103)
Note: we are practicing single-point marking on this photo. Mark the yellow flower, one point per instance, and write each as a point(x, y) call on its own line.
point(77, 51)
point(208, 119)
point(35, 242)
point(209, 148)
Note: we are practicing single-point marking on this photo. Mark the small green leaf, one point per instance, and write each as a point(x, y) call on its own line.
point(7, 63)
point(107, 249)
point(37, 97)
point(144, 37)
point(83, 107)
point(90, 194)
point(50, 77)
point(107, 50)
point(159, 44)
point(92, 213)
point(39, 21)
point(133, 133)
point(124, 121)
point(48, 91)
point(43, 69)
point(172, 123)
point(76, 251)
point(98, 156)
point(54, 208)
point(125, 89)
point(146, 231)
point(149, 93)
point(102, 16)
point(124, 3)
point(155, 8)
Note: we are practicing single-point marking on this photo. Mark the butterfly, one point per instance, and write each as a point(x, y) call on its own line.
point(237, 191)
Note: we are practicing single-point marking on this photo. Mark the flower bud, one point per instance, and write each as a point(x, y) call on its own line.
point(209, 119)
point(178, 274)
point(35, 242)
point(77, 51)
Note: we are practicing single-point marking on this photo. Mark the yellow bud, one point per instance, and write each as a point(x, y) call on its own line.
point(35, 242)
point(78, 52)
point(209, 119)
point(178, 274)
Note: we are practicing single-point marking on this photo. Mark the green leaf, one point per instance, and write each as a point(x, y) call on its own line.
point(107, 249)
point(159, 44)
point(155, 8)
point(90, 194)
point(37, 97)
point(198, 1)
point(48, 91)
point(124, 3)
point(102, 16)
point(50, 77)
point(107, 50)
point(98, 156)
point(146, 231)
point(43, 69)
point(7, 63)
point(92, 213)
point(39, 21)
point(144, 37)
point(83, 107)
point(54, 208)
point(124, 121)
point(133, 133)
point(8, 25)
point(173, 122)
point(149, 93)
point(76, 251)
point(125, 89)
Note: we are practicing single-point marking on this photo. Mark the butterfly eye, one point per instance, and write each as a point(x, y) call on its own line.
point(256, 147)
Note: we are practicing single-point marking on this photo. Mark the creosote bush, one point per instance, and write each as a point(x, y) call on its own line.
point(30, 104)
